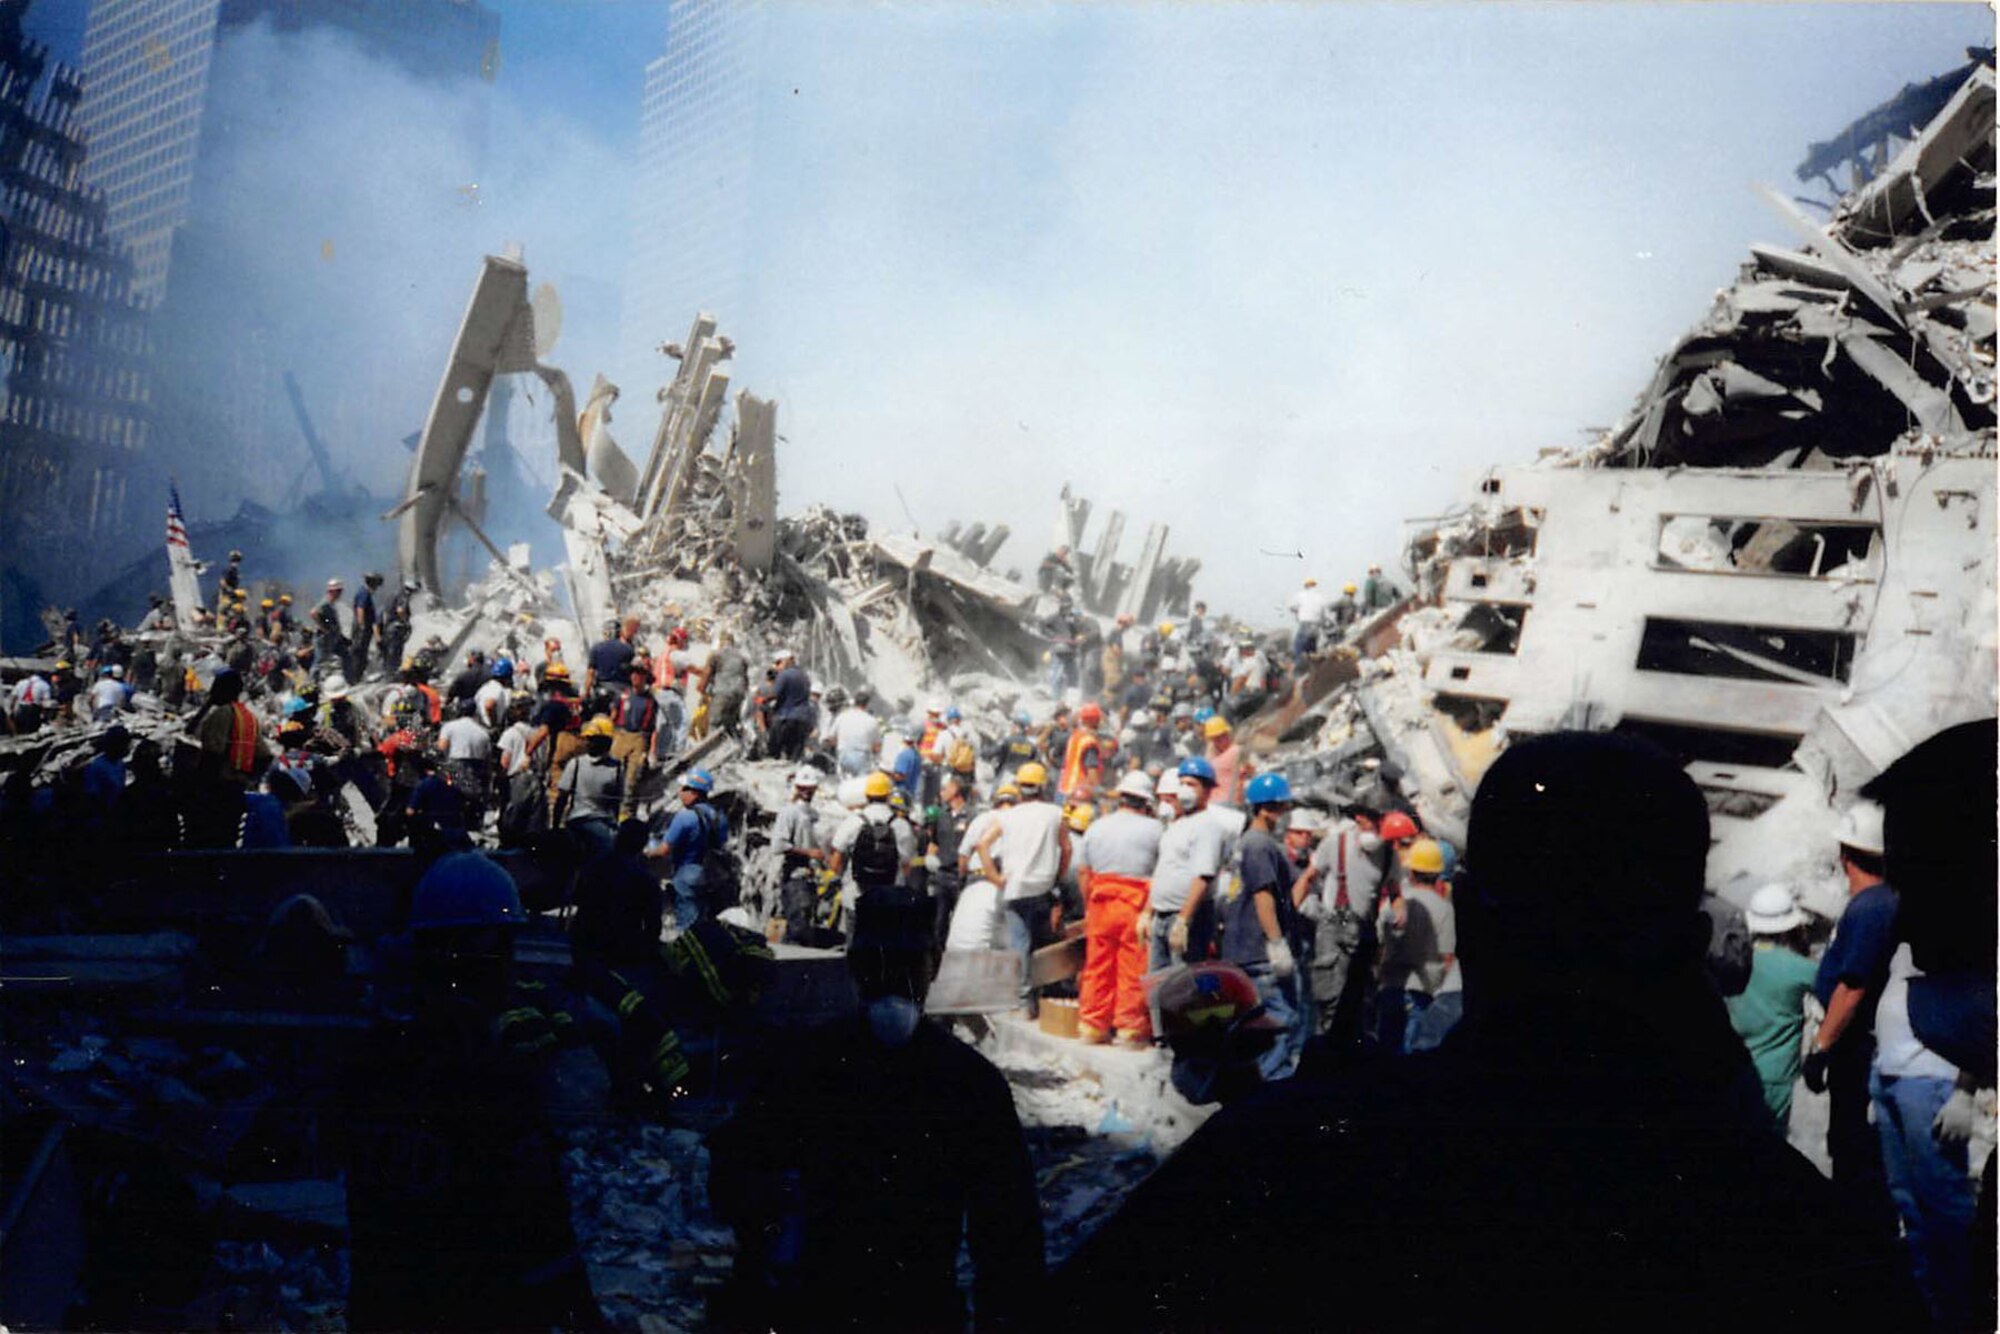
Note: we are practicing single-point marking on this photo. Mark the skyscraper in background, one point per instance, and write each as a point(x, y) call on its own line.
point(692, 196)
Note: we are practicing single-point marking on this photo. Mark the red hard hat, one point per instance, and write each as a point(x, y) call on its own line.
point(1211, 1000)
point(1090, 714)
point(1396, 825)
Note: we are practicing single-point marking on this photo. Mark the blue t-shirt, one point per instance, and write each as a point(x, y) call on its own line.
point(612, 661)
point(1264, 869)
point(791, 696)
point(909, 765)
point(1861, 949)
point(692, 832)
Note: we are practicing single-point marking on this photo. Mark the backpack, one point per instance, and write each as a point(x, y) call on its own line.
point(720, 885)
point(962, 759)
point(876, 859)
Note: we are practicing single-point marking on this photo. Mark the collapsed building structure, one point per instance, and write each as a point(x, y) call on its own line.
point(1780, 564)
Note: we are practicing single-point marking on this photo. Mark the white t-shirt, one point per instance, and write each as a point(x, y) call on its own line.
point(1194, 847)
point(1030, 848)
point(465, 739)
point(976, 921)
point(1309, 605)
point(107, 694)
point(514, 747)
point(970, 841)
point(856, 729)
point(1122, 843)
point(1898, 1051)
point(491, 701)
point(1249, 672)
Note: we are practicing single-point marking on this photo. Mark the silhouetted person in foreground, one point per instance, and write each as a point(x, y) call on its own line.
point(1587, 1149)
point(853, 1170)
point(1938, 835)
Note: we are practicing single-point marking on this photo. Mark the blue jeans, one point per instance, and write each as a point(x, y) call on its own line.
point(853, 762)
point(1393, 1020)
point(687, 895)
point(1933, 1193)
point(1432, 1019)
point(1281, 1001)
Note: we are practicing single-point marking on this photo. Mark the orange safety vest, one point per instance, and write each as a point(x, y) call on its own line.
point(1073, 781)
point(242, 752)
point(929, 738)
point(433, 702)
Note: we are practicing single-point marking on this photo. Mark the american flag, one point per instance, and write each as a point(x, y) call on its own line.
point(176, 530)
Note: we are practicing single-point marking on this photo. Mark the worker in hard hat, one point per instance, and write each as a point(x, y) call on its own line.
point(793, 712)
point(1215, 1022)
point(857, 735)
point(693, 839)
point(635, 725)
point(1377, 592)
point(1338, 889)
point(329, 633)
point(872, 849)
point(1115, 862)
point(1420, 954)
point(367, 625)
point(1344, 611)
point(1193, 851)
point(1016, 748)
point(590, 788)
point(1083, 758)
point(456, 1204)
point(1026, 853)
point(799, 851)
point(1249, 680)
point(1066, 632)
point(1769, 1013)
point(1226, 758)
point(1258, 921)
point(941, 839)
point(1848, 985)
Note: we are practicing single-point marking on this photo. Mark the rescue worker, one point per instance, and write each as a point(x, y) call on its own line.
point(1769, 1013)
point(1377, 593)
point(589, 789)
point(457, 1209)
point(687, 840)
point(233, 754)
point(929, 1162)
point(1225, 757)
point(1026, 853)
point(467, 748)
point(872, 849)
point(230, 582)
point(1216, 1024)
point(725, 685)
point(397, 625)
point(32, 699)
point(1193, 851)
point(614, 942)
point(329, 638)
point(1345, 610)
point(609, 659)
point(856, 736)
point(634, 719)
point(792, 710)
point(1053, 741)
point(1848, 985)
point(942, 839)
point(1308, 608)
point(1083, 758)
point(1249, 681)
point(1015, 749)
point(367, 626)
point(467, 684)
point(1066, 633)
point(1420, 955)
point(489, 702)
point(800, 853)
point(1256, 919)
point(1114, 874)
point(1338, 891)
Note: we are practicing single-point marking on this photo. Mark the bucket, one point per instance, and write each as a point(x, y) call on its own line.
point(1058, 1016)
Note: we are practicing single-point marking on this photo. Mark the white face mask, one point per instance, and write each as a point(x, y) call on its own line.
point(893, 1019)
point(1167, 811)
point(1368, 841)
point(1190, 795)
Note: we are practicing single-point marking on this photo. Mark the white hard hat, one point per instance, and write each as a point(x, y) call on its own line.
point(807, 776)
point(335, 582)
point(851, 795)
point(782, 655)
point(335, 688)
point(1169, 784)
point(1861, 827)
point(935, 706)
point(1136, 785)
point(1307, 819)
point(1773, 911)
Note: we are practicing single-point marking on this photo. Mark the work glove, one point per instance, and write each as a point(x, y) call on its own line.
point(1142, 925)
point(932, 864)
point(1817, 1061)
point(1177, 937)
point(1956, 1120)
point(1279, 952)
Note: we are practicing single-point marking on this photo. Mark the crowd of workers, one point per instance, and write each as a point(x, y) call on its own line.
point(1301, 954)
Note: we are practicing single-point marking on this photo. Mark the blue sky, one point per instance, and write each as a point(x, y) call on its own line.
point(1278, 275)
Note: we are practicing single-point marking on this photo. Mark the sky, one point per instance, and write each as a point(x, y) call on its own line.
point(1281, 276)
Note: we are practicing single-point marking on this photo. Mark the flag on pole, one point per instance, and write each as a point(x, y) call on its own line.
point(180, 563)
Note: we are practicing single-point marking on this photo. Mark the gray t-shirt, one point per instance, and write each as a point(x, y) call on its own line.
point(1122, 843)
point(1421, 955)
point(465, 739)
point(1364, 871)
point(795, 829)
point(597, 785)
point(1193, 847)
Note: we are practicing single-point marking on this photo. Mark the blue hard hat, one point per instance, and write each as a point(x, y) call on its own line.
point(297, 707)
point(465, 889)
point(503, 668)
point(1203, 714)
point(952, 715)
point(698, 779)
point(1267, 790)
point(1194, 766)
point(1022, 717)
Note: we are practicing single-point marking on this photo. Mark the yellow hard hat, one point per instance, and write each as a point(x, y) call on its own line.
point(598, 726)
point(1347, 588)
point(1031, 774)
point(285, 598)
point(557, 671)
point(267, 604)
point(877, 785)
point(1425, 856)
point(1166, 628)
point(1215, 727)
point(1077, 815)
point(1006, 792)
